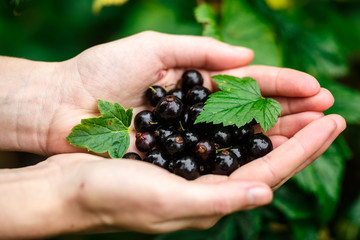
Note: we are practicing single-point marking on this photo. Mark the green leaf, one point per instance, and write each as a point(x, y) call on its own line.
point(304, 229)
point(107, 133)
point(242, 26)
point(346, 101)
point(204, 14)
point(323, 178)
point(248, 224)
point(115, 110)
point(239, 102)
point(317, 54)
point(290, 199)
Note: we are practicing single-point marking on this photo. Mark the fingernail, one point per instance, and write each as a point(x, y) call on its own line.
point(259, 195)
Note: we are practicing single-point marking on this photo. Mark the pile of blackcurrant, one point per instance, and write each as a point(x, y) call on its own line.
point(170, 139)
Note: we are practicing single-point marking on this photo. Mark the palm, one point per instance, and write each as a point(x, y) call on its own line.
point(121, 71)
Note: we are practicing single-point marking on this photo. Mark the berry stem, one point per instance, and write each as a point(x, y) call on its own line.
point(222, 149)
point(181, 126)
point(153, 89)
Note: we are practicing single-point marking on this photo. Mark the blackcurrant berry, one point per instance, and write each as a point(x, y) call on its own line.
point(258, 146)
point(174, 144)
point(169, 108)
point(191, 78)
point(162, 132)
point(145, 141)
point(184, 119)
point(187, 167)
point(158, 158)
point(191, 139)
point(145, 121)
point(197, 94)
point(177, 92)
point(241, 134)
point(194, 112)
point(205, 151)
point(240, 152)
point(224, 163)
point(221, 136)
point(132, 155)
point(154, 93)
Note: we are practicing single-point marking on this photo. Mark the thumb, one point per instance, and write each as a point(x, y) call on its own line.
point(222, 198)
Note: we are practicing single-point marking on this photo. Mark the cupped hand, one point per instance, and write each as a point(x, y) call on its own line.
point(122, 70)
point(124, 194)
point(133, 195)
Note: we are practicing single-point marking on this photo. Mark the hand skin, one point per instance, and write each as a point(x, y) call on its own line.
point(79, 192)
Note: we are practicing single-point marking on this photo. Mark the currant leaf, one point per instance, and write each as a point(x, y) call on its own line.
point(107, 133)
point(239, 102)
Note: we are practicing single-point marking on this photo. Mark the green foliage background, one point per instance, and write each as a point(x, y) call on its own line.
point(318, 37)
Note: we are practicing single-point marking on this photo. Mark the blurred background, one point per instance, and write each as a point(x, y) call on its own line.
point(319, 37)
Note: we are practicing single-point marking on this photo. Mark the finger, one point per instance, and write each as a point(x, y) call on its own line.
point(341, 125)
point(320, 102)
point(278, 140)
point(289, 125)
point(177, 51)
point(275, 81)
point(281, 163)
point(198, 199)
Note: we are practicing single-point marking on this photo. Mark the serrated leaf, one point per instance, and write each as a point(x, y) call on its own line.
point(107, 133)
point(115, 110)
point(239, 102)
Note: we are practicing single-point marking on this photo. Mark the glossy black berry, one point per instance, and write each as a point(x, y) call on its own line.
point(197, 94)
point(154, 93)
point(132, 155)
point(225, 163)
point(158, 158)
point(177, 92)
point(258, 146)
point(169, 108)
point(145, 121)
point(240, 152)
point(194, 112)
point(241, 134)
point(187, 167)
point(205, 151)
point(191, 78)
point(162, 132)
point(184, 119)
point(191, 139)
point(145, 141)
point(174, 144)
point(221, 136)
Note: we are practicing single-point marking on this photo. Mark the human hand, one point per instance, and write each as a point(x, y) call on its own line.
point(86, 193)
point(122, 70)
point(301, 134)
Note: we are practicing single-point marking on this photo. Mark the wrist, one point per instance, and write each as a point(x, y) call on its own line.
point(26, 88)
point(41, 201)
